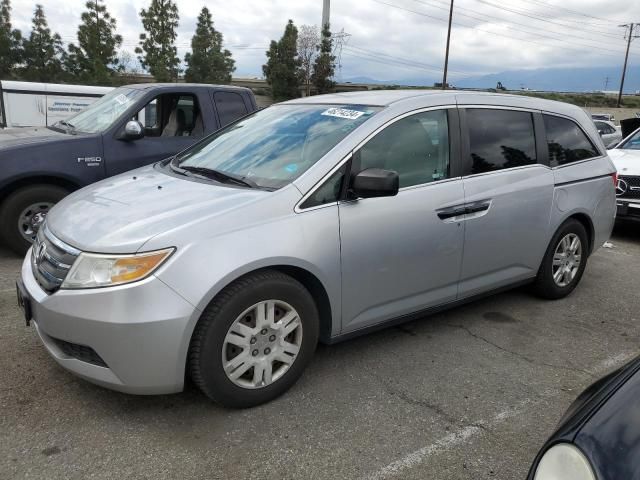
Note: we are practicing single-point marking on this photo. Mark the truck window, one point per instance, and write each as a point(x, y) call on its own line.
point(172, 115)
point(230, 106)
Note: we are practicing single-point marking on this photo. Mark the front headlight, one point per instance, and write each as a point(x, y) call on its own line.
point(562, 462)
point(92, 270)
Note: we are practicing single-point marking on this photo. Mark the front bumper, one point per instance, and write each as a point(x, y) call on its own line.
point(141, 331)
point(628, 209)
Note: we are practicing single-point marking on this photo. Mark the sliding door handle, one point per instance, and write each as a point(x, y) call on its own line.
point(476, 208)
point(451, 212)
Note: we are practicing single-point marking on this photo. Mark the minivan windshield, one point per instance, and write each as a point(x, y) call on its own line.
point(102, 113)
point(272, 147)
point(633, 143)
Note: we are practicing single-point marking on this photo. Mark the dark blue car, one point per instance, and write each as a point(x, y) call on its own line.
point(599, 436)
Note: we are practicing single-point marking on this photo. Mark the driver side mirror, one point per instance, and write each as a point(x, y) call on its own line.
point(133, 130)
point(375, 182)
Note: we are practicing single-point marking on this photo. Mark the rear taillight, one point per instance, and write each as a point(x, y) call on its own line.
point(614, 176)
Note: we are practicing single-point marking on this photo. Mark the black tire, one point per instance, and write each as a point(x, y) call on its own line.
point(544, 285)
point(205, 351)
point(14, 205)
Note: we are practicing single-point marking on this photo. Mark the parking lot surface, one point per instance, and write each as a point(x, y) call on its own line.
point(467, 394)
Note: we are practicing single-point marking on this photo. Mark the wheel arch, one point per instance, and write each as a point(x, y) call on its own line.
point(18, 183)
point(587, 223)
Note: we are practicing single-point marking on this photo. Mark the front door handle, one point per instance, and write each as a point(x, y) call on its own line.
point(476, 208)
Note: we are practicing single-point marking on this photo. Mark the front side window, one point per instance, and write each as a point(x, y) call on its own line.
point(566, 141)
point(274, 146)
point(104, 112)
point(500, 139)
point(171, 115)
point(416, 147)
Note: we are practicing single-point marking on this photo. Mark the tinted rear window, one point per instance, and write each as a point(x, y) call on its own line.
point(500, 139)
point(566, 141)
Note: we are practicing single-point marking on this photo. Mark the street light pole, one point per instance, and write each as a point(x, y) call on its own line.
point(446, 53)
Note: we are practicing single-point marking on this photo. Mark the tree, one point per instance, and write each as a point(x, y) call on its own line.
point(95, 60)
point(10, 39)
point(44, 54)
point(308, 40)
point(208, 62)
point(282, 69)
point(324, 66)
point(157, 51)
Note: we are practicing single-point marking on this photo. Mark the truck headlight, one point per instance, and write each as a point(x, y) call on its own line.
point(91, 270)
point(564, 461)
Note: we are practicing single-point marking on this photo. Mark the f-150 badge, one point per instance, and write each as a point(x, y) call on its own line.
point(90, 161)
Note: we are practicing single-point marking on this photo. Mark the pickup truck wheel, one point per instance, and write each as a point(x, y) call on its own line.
point(254, 340)
point(22, 213)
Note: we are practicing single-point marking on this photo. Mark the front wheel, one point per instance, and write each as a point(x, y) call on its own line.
point(22, 213)
point(254, 340)
point(564, 261)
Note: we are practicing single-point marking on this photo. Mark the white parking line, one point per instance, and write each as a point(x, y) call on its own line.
point(464, 434)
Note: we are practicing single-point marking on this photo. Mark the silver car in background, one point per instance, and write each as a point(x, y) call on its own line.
point(313, 220)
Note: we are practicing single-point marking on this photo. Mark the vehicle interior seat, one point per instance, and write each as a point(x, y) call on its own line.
point(198, 127)
point(175, 125)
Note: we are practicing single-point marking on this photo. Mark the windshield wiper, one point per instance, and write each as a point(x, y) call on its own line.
point(217, 175)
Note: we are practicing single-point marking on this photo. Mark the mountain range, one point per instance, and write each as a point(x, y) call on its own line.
point(548, 79)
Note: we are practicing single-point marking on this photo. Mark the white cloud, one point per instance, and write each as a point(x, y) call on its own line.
point(486, 36)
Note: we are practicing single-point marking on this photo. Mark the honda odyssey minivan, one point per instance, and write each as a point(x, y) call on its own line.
point(316, 219)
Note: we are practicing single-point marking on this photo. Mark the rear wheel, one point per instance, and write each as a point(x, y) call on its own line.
point(564, 261)
point(23, 212)
point(254, 340)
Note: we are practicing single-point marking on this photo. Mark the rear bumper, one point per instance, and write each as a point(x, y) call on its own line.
point(138, 331)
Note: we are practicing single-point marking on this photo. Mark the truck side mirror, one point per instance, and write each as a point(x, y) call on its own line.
point(132, 131)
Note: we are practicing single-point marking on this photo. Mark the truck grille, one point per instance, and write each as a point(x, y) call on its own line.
point(51, 260)
point(632, 190)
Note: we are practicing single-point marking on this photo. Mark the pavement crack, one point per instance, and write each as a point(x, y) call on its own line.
point(519, 355)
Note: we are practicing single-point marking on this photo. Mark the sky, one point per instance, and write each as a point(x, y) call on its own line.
point(391, 39)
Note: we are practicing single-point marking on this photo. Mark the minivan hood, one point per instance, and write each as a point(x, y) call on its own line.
point(627, 162)
point(120, 214)
point(18, 137)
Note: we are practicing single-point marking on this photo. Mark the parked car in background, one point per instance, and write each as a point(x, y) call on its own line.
point(611, 135)
point(29, 104)
point(609, 117)
point(127, 128)
point(598, 438)
point(626, 158)
point(318, 218)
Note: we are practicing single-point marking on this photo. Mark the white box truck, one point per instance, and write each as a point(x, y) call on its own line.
point(29, 104)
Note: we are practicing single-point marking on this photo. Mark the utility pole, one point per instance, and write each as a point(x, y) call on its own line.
point(626, 57)
point(606, 82)
point(326, 7)
point(446, 53)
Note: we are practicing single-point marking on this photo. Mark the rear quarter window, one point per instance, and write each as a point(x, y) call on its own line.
point(230, 106)
point(566, 141)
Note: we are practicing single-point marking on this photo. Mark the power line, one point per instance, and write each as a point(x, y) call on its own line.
point(535, 16)
point(582, 14)
point(485, 18)
point(594, 52)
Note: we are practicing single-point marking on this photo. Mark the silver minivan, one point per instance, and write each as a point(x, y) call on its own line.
point(313, 220)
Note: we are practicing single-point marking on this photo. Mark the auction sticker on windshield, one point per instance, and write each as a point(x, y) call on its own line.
point(122, 99)
point(343, 113)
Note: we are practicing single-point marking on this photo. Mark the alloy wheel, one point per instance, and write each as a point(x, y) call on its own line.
point(567, 259)
point(262, 344)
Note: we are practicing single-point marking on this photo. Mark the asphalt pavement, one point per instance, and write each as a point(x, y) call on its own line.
point(471, 393)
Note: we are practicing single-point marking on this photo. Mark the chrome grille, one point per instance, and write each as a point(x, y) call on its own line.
point(51, 259)
point(632, 187)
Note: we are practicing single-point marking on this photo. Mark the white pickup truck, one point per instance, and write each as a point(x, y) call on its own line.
point(29, 104)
